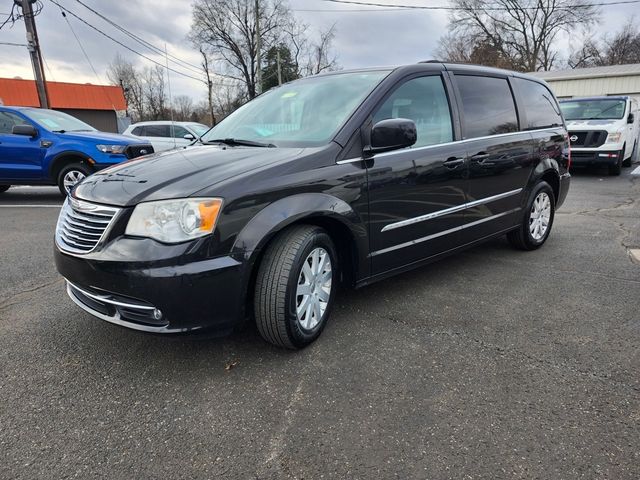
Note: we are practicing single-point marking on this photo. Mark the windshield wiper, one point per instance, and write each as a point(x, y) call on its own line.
point(239, 142)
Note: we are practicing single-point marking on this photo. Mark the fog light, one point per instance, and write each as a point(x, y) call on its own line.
point(157, 314)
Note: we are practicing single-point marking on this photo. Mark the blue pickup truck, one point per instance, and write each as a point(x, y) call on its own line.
point(46, 147)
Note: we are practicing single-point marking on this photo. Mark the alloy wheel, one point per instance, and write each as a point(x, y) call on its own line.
point(71, 178)
point(540, 216)
point(314, 288)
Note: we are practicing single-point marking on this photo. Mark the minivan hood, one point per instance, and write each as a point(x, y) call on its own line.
point(176, 173)
point(104, 137)
point(589, 124)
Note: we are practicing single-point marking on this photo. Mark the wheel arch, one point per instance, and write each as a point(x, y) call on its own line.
point(549, 171)
point(62, 159)
point(344, 226)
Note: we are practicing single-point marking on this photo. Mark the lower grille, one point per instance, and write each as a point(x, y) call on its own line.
point(135, 151)
point(82, 225)
point(117, 308)
point(591, 139)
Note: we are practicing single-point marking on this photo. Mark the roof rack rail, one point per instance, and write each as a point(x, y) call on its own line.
point(431, 61)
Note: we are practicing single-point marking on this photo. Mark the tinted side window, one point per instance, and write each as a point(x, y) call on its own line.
point(137, 131)
point(157, 131)
point(539, 105)
point(179, 132)
point(488, 106)
point(424, 101)
point(8, 121)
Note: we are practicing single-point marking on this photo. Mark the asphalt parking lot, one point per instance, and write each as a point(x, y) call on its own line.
point(491, 364)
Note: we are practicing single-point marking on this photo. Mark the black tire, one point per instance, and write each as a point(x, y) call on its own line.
point(80, 168)
point(4, 188)
point(275, 299)
point(616, 169)
point(628, 161)
point(522, 237)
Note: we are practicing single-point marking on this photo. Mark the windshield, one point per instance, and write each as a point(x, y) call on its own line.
point(303, 113)
point(57, 121)
point(593, 109)
point(198, 128)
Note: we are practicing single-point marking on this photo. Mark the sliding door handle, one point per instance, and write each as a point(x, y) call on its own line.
point(480, 157)
point(453, 162)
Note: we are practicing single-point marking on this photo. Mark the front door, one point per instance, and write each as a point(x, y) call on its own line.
point(417, 194)
point(20, 156)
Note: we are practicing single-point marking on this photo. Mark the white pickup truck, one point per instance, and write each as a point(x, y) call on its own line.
point(602, 130)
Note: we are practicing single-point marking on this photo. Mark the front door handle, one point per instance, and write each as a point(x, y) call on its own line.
point(480, 157)
point(453, 162)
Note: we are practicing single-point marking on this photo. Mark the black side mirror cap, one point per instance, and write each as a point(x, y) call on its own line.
point(393, 134)
point(630, 118)
point(26, 130)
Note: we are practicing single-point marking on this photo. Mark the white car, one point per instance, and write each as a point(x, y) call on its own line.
point(165, 135)
point(603, 130)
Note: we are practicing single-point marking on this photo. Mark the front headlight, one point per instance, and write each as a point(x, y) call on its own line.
point(111, 148)
point(175, 221)
point(614, 137)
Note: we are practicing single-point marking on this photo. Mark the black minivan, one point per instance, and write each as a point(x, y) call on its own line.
point(347, 177)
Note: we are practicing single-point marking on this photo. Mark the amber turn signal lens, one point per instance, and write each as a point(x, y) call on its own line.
point(209, 211)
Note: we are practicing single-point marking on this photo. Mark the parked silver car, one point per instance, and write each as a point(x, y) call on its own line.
point(165, 135)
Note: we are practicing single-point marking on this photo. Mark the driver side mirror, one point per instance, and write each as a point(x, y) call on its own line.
point(26, 130)
point(188, 136)
point(393, 134)
point(630, 118)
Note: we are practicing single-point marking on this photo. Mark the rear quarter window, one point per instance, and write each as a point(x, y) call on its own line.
point(539, 105)
point(157, 131)
point(488, 106)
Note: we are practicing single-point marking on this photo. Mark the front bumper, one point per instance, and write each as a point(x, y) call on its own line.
point(206, 294)
point(595, 157)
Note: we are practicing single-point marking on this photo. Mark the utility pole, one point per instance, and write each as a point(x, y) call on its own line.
point(33, 46)
point(258, 53)
point(279, 67)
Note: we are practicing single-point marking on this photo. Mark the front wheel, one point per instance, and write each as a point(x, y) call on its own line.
point(537, 221)
point(71, 175)
point(628, 161)
point(295, 286)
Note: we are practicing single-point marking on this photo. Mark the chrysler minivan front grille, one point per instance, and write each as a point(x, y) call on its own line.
point(82, 225)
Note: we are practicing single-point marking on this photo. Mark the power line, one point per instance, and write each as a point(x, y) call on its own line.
point(88, 59)
point(122, 44)
point(143, 42)
point(489, 8)
point(14, 44)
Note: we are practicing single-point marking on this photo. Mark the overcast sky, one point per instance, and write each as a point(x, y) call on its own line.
point(363, 38)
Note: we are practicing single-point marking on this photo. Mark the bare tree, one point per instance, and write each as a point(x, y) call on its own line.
point(471, 49)
point(321, 57)
point(154, 92)
point(226, 29)
point(122, 72)
point(182, 108)
point(523, 32)
point(207, 73)
point(621, 48)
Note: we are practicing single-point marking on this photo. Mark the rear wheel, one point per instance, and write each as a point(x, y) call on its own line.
point(537, 221)
point(4, 188)
point(71, 175)
point(295, 287)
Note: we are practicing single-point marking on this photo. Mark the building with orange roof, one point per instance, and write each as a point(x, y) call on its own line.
point(98, 105)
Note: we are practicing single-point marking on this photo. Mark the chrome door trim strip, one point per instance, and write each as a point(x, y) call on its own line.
point(447, 211)
point(455, 142)
point(444, 232)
